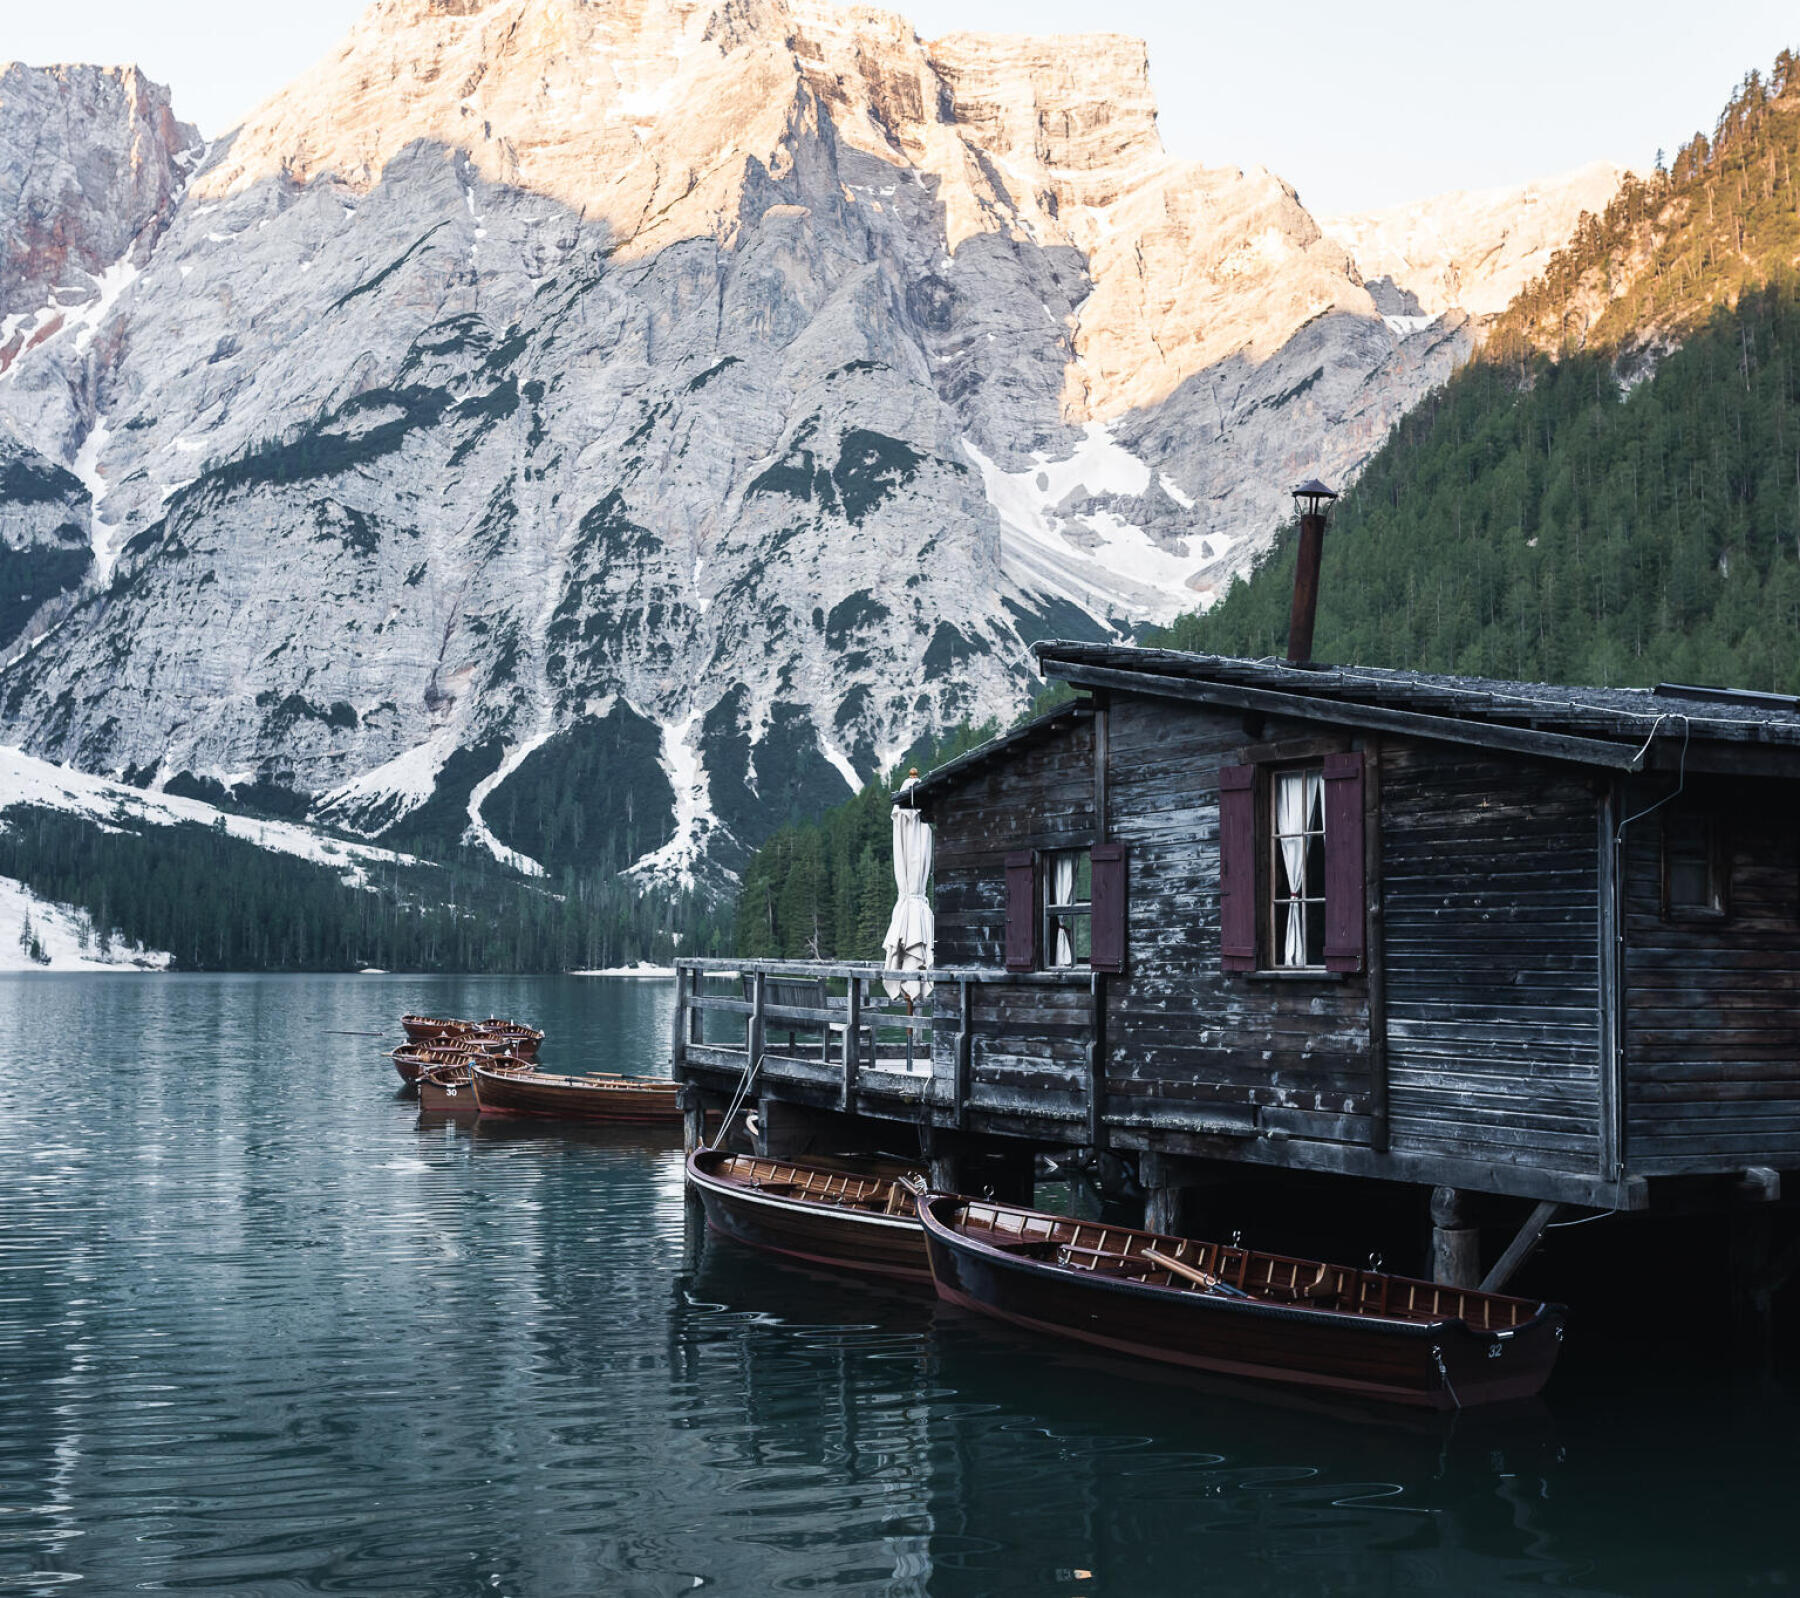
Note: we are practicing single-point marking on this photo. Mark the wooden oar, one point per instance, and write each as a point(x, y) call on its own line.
point(1193, 1273)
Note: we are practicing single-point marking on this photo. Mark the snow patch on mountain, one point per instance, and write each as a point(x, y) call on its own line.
point(479, 833)
point(25, 780)
point(39, 935)
point(842, 762)
point(682, 764)
point(1111, 562)
point(394, 789)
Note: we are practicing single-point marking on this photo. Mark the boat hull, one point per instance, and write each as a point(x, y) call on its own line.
point(889, 1246)
point(555, 1098)
point(438, 1097)
point(1443, 1365)
point(429, 1029)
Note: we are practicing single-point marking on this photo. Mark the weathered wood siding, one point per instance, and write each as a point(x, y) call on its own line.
point(1039, 798)
point(1029, 1054)
point(1712, 1021)
point(1190, 1043)
point(1490, 871)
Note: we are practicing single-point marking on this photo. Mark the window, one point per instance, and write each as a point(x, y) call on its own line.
point(1068, 907)
point(1693, 866)
point(1291, 866)
point(1297, 867)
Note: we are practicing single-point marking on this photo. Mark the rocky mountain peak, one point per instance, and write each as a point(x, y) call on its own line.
point(601, 432)
point(1475, 249)
point(91, 159)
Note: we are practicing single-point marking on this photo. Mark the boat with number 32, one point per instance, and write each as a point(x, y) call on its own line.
point(1216, 1307)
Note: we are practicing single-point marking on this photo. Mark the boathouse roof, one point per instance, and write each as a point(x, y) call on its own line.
point(1624, 729)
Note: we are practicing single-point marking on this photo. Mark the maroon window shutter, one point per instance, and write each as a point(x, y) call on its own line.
point(1021, 912)
point(1344, 909)
point(1107, 944)
point(1237, 867)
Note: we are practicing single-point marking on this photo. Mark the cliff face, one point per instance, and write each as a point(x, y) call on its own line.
point(606, 431)
point(91, 160)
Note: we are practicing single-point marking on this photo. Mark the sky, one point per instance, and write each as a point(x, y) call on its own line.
point(1358, 106)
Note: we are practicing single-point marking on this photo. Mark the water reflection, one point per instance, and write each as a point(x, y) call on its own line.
point(264, 1329)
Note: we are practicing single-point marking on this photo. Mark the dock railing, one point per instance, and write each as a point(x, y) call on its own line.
point(832, 1031)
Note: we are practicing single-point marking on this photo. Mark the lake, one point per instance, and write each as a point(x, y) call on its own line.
point(265, 1331)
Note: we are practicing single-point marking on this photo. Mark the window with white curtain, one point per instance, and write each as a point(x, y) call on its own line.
point(1297, 867)
point(1068, 907)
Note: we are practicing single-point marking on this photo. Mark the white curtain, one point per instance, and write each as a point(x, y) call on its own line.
point(1296, 798)
point(1062, 891)
point(908, 945)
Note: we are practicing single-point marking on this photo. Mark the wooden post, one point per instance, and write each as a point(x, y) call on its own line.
point(1519, 1250)
point(852, 1045)
point(1096, 1062)
point(965, 1049)
point(678, 1038)
point(1612, 1089)
point(789, 1131)
point(753, 1028)
point(1375, 952)
point(693, 1117)
point(1102, 756)
point(1166, 1210)
point(1012, 1173)
point(1455, 1245)
point(943, 1156)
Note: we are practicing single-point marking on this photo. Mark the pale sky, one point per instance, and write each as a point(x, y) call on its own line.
point(1357, 105)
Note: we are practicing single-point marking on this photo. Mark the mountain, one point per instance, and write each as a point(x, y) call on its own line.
point(1474, 250)
point(98, 873)
point(1610, 493)
point(600, 434)
point(1665, 253)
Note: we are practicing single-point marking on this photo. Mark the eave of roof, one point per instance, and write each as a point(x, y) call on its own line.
point(1600, 726)
point(1036, 730)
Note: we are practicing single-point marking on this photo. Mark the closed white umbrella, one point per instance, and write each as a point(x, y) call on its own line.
point(910, 933)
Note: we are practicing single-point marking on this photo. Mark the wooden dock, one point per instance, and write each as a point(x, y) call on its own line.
point(1527, 950)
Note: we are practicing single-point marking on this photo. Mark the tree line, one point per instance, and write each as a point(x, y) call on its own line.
point(215, 902)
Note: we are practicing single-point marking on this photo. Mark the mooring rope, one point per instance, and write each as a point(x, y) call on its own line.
point(1444, 1371)
point(752, 1064)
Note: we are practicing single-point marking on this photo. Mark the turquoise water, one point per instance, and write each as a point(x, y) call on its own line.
point(264, 1331)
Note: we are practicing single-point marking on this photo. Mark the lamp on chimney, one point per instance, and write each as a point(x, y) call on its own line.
point(1311, 500)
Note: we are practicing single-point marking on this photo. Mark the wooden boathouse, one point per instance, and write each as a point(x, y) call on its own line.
point(1533, 943)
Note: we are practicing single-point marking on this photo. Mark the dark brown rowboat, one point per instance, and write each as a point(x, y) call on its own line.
point(1263, 1315)
point(448, 1090)
point(518, 1038)
point(509, 1089)
point(412, 1060)
point(430, 1028)
point(832, 1218)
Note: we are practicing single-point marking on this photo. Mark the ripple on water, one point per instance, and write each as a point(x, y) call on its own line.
point(263, 1331)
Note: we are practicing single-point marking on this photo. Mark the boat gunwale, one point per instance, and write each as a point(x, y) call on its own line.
point(1546, 1312)
point(528, 1072)
point(740, 1192)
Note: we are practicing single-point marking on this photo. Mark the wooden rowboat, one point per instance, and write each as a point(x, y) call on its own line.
point(1237, 1311)
point(448, 1090)
point(521, 1089)
point(833, 1218)
point(412, 1060)
point(430, 1028)
point(518, 1038)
